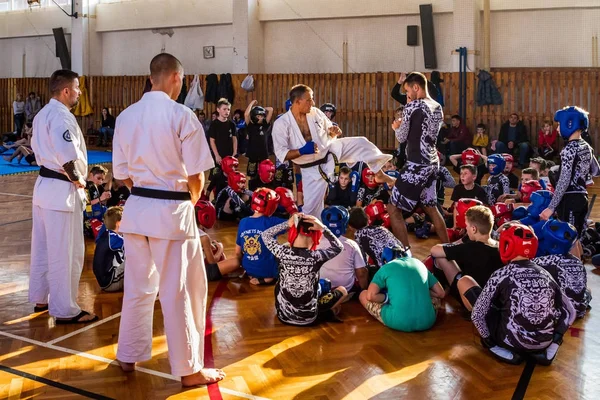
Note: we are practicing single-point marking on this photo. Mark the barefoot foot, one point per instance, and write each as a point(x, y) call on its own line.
point(126, 367)
point(205, 376)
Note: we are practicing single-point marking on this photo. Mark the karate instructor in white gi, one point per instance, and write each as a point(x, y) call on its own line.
point(57, 246)
point(160, 152)
point(307, 137)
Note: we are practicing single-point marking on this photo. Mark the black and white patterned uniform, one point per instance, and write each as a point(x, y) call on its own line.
point(296, 291)
point(497, 186)
point(373, 240)
point(444, 180)
point(421, 123)
point(521, 307)
point(367, 195)
point(239, 207)
point(570, 274)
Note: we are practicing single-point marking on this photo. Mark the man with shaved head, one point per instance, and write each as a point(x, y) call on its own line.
point(161, 153)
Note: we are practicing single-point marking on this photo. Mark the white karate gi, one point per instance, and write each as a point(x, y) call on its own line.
point(158, 143)
point(57, 246)
point(287, 136)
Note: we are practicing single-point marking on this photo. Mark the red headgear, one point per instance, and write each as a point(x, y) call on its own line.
point(265, 201)
point(229, 164)
point(302, 229)
point(375, 211)
point(462, 205)
point(517, 240)
point(237, 181)
point(286, 200)
point(206, 215)
point(527, 188)
point(385, 218)
point(502, 212)
point(368, 178)
point(469, 157)
point(266, 171)
point(510, 162)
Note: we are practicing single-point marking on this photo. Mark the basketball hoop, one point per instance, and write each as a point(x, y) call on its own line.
point(32, 3)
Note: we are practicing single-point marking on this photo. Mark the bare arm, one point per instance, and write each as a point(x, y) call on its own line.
point(437, 291)
point(362, 275)
point(269, 114)
point(207, 250)
point(235, 145)
point(213, 147)
point(374, 295)
point(127, 182)
point(437, 251)
point(247, 112)
point(195, 185)
point(292, 154)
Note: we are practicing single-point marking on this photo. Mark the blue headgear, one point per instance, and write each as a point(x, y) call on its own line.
point(557, 238)
point(394, 174)
point(540, 200)
point(571, 119)
point(241, 124)
point(336, 219)
point(389, 254)
point(519, 212)
point(499, 164)
point(288, 104)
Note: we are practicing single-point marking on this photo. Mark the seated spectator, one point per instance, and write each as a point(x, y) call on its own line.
point(547, 144)
point(96, 193)
point(119, 193)
point(467, 188)
point(370, 190)
point(513, 136)
point(23, 140)
point(403, 295)
point(481, 140)
point(232, 201)
point(513, 180)
point(20, 153)
point(265, 176)
point(459, 137)
point(107, 130)
point(341, 194)
point(109, 254)
point(297, 298)
point(527, 174)
point(473, 157)
point(348, 268)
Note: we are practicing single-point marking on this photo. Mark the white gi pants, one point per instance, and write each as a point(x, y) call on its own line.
point(348, 150)
point(176, 268)
point(57, 252)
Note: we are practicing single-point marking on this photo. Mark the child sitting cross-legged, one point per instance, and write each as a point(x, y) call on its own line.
point(109, 255)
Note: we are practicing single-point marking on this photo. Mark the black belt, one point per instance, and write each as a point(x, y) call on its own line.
point(314, 163)
point(48, 173)
point(160, 194)
point(336, 168)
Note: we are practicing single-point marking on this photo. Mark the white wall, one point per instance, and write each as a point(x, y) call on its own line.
point(374, 44)
point(40, 59)
point(130, 52)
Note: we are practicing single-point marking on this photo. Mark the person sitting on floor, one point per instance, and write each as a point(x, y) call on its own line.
point(265, 176)
point(403, 295)
point(341, 193)
point(467, 188)
point(109, 254)
point(232, 201)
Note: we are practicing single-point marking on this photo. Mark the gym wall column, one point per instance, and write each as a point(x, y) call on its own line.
point(248, 38)
point(77, 39)
point(465, 27)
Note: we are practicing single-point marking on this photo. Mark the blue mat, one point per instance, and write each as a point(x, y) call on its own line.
point(7, 168)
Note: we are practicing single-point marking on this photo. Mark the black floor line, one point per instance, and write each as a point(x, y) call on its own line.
point(16, 222)
point(524, 380)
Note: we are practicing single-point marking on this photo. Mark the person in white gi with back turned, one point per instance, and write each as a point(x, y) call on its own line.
point(57, 246)
point(160, 152)
point(307, 137)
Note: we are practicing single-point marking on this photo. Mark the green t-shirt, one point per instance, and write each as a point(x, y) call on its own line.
point(407, 282)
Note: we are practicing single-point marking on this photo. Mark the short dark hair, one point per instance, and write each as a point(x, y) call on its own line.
point(358, 218)
point(482, 126)
point(514, 113)
point(59, 80)
point(298, 91)
point(201, 113)
point(238, 111)
point(533, 172)
point(470, 168)
point(164, 63)
point(345, 170)
point(98, 169)
point(31, 93)
point(223, 102)
point(456, 116)
point(416, 78)
point(539, 160)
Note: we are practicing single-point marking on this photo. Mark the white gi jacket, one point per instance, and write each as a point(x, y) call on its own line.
point(56, 140)
point(158, 143)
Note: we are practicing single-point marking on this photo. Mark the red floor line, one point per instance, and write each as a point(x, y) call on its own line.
point(213, 390)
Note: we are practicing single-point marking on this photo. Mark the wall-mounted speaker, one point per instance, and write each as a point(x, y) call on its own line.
point(427, 35)
point(412, 35)
point(62, 51)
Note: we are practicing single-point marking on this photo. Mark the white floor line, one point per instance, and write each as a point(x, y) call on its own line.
point(85, 328)
point(114, 362)
point(14, 194)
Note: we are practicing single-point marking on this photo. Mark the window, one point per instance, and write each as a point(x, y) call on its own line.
point(15, 5)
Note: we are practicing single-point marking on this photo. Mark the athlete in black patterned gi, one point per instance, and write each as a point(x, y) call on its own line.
point(422, 119)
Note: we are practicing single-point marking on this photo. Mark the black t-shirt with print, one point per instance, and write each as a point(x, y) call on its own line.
point(222, 133)
point(257, 142)
point(477, 192)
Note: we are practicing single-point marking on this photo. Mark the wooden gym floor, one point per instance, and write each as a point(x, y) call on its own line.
point(356, 359)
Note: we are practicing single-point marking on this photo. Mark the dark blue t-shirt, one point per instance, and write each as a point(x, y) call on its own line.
point(257, 260)
point(512, 133)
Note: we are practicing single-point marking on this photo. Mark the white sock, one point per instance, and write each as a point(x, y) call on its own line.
point(502, 352)
point(551, 351)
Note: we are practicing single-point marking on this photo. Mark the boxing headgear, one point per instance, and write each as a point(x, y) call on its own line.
point(237, 181)
point(206, 214)
point(255, 112)
point(328, 107)
point(288, 104)
point(286, 200)
point(386, 221)
point(540, 200)
point(469, 157)
point(265, 201)
point(336, 219)
point(520, 212)
point(510, 162)
point(557, 238)
point(368, 178)
point(462, 205)
point(389, 254)
point(502, 213)
point(375, 211)
point(303, 229)
point(527, 188)
point(229, 164)
point(266, 171)
point(571, 119)
point(517, 240)
point(498, 163)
